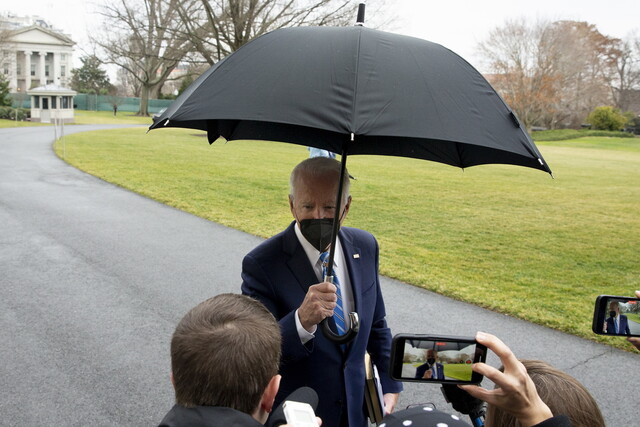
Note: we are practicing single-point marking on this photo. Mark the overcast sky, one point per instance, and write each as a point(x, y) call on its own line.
point(458, 25)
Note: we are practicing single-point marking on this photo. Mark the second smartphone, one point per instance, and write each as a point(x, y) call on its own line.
point(436, 358)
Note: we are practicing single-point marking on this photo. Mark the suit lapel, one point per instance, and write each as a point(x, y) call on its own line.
point(354, 267)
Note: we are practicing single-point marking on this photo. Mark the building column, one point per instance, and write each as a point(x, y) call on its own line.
point(27, 70)
point(56, 68)
point(43, 77)
point(13, 82)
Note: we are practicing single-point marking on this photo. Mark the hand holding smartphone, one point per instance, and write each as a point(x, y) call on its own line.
point(437, 359)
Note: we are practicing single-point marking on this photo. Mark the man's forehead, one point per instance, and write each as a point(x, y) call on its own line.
point(313, 198)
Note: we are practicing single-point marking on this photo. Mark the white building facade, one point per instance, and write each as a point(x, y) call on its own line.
point(36, 55)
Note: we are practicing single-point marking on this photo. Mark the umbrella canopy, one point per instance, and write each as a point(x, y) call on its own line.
point(359, 89)
point(354, 90)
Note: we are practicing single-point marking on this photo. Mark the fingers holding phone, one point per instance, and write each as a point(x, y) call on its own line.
point(515, 392)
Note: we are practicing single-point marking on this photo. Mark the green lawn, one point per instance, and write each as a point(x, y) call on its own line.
point(82, 117)
point(4, 123)
point(507, 238)
point(459, 371)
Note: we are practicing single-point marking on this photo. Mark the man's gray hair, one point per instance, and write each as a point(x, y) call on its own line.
point(318, 167)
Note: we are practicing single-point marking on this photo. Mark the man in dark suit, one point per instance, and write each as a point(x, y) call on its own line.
point(431, 369)
point(285, 274)
point(617, 324)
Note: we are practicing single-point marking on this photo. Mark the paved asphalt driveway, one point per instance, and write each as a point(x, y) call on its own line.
point(94, 278)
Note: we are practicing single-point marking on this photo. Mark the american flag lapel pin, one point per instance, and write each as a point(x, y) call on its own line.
point(356, 256)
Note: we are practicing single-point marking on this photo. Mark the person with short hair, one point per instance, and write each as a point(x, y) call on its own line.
point(532, 393)
point(286, 274)
point(225, 354)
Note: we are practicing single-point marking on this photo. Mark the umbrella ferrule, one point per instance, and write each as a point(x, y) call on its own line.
point(353, 137)
point(360, 16)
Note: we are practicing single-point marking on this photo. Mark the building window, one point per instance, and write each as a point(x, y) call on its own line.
point(65, 102)
point(36, 101)
point(46, 71)
point(63, 71)
point(33, 69)
point(63, 56)
point(53, 102)
point(5, 69)
point(18, 70)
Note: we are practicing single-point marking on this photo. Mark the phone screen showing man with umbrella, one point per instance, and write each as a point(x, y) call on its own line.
point(286, 274)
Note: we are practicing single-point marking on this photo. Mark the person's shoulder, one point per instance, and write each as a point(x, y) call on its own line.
point(356, 232)
point(273, 243)
point(359, 237)
point(207, 416)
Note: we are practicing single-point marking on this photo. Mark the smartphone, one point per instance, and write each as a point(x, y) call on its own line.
point(299, 414)
point(436, 358)
point(616, 315)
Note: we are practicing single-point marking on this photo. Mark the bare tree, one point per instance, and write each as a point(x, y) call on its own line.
point(624, 75)
point(217, 28)
point(6, 43)
point(521, 65)
point(148, 38)
point(145, 38)
point(551, 73)
point(582, 61)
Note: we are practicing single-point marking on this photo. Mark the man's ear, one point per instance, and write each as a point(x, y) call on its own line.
point(269, 394)
point(347, 205)
point(291, 204)
point(173, 381)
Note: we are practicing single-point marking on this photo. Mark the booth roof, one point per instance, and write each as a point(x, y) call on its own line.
point(51, 89)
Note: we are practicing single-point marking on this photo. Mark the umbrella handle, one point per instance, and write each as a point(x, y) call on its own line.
point(348, 336)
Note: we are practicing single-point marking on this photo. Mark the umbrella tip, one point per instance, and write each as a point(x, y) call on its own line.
point(360, 18)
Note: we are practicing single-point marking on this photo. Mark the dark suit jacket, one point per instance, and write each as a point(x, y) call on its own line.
point(278, 274)
point(623, 326)
point(439, 371)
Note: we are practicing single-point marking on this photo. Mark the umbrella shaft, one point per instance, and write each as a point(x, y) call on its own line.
point(336, 217)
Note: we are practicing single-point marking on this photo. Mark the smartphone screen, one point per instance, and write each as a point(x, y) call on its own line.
point(616, 315)
point(437, 359)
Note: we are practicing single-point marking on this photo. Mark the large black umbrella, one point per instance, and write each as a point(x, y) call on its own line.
point(355, 90)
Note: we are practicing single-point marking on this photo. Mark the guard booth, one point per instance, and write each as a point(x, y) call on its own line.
point(51, 103)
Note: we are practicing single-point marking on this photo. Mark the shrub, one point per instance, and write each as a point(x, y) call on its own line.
point(9, 113)
point(564, 134)
point(607, 118)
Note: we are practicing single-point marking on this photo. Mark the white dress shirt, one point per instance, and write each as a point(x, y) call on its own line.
point(340, 269)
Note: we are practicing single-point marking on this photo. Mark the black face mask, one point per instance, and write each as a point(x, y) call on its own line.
point(431, 361)
point(317, 232)
point(612, 314)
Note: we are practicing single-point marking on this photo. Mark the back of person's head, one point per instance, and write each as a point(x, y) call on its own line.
point(224, 352)
point(563, 394)
point(318, 168)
